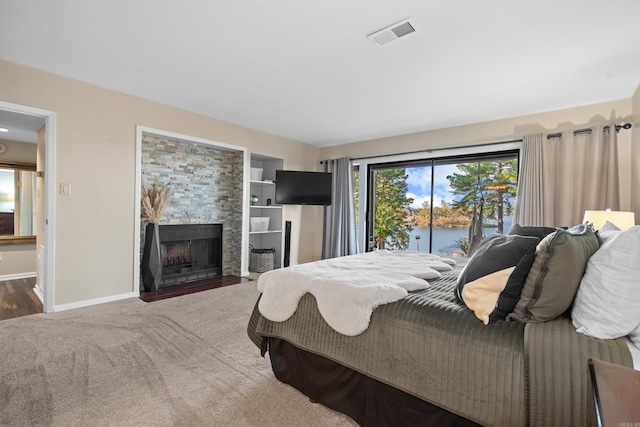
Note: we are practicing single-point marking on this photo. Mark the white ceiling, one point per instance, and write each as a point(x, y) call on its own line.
point(22, 127)
point(305, 70)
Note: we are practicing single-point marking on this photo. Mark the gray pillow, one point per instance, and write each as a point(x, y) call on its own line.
point(554, 277)
point(606, 232)
point(491, 282)
point(539, 232)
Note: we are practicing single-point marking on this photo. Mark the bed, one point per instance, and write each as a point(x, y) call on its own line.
point(428, 359)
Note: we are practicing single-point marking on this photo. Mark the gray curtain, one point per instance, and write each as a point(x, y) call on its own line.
point(562, 176)
point(339, 236)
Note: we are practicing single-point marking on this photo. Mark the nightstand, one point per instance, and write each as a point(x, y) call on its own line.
point(614, 395)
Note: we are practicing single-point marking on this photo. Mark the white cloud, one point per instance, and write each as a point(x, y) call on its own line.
point(420, 177)
point(419, 182)
point(418, 199)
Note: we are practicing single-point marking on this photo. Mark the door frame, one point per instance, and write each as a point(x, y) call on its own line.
point(45, 289)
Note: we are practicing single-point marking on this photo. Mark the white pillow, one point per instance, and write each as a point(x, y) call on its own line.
point(607, 304)
point(607, 231)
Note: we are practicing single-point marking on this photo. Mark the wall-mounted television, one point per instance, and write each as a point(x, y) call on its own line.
point(303, 188)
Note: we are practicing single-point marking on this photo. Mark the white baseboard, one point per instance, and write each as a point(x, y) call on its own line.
point(90, 302)
point(17, 276)
point(38, 291)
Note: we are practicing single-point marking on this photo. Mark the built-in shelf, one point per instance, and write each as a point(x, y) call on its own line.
point(265, 190)
point(266, 232)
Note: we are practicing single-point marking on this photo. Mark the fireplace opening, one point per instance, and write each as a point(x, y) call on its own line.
point(190, 252)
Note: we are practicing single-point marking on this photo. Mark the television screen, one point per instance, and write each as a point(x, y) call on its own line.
point(303, 188)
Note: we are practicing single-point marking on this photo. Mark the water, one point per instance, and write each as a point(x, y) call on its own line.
point(443, 238)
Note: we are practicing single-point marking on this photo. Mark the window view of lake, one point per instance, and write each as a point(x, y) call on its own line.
point(446, 194)
point(445, 238)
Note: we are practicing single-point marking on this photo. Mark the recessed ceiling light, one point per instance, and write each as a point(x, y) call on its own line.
point(4, 130)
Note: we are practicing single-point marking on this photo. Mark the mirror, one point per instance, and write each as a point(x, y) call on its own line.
point(18, 206)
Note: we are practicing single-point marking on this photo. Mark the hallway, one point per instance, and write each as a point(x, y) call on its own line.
point(17, 298)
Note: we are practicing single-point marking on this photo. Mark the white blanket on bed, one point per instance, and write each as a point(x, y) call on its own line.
point(348, 289)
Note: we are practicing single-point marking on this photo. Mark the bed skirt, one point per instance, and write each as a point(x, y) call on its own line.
point(368, 401)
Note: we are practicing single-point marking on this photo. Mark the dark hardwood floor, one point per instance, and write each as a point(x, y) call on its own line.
point(17, 298)
point(190, 288)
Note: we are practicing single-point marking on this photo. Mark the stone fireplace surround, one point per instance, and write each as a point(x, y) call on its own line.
point(207, 188)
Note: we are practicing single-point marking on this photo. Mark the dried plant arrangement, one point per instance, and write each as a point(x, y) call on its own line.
point(153, 202)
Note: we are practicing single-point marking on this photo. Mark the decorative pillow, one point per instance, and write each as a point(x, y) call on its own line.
point(491, 282)
point(607, 304)
point(538, 232)
point(607, 231)
point(555, 275)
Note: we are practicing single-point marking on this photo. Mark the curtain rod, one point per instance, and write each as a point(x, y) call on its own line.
point(588, 130)
point(431, 150)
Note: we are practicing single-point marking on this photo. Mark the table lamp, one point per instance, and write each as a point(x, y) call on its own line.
point(622, 220)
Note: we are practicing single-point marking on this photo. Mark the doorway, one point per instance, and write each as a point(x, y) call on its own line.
point(15, 116)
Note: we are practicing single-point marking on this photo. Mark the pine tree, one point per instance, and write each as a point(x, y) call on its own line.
point(501, 189)
point(392, 207)
point(487, 185)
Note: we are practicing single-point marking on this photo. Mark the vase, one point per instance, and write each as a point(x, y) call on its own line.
point(151, 266)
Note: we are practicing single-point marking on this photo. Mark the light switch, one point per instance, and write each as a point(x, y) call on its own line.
point(65, 189)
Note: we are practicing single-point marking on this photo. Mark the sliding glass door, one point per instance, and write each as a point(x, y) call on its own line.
point(442, 205)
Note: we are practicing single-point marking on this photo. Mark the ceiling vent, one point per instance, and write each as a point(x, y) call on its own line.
point(393, 32)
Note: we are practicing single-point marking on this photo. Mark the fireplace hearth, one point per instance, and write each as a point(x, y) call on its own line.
point(190, 252)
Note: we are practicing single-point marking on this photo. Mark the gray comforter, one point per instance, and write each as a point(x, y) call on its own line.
point(432, 346)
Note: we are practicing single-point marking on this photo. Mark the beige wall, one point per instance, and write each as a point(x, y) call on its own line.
point(513, 129)
point(17, 260)
point(23, 152)
point(95, 153)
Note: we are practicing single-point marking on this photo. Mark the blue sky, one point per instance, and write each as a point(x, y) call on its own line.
point(419, 182)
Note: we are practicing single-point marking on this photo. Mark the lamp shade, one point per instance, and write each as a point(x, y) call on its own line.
point(622, 220)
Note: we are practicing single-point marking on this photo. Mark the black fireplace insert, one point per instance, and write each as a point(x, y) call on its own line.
point(190, 252)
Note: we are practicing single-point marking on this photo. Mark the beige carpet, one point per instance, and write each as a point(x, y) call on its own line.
point(184, 361)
